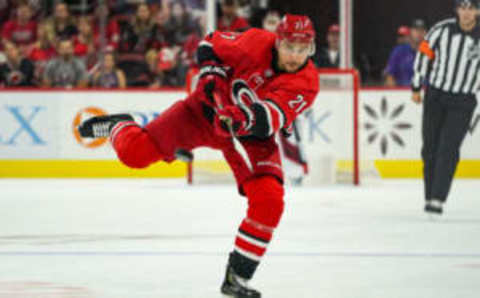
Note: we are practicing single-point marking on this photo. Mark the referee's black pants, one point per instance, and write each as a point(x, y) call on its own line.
point(446, 120)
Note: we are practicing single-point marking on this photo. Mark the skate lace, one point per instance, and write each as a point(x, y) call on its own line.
point(101, 129)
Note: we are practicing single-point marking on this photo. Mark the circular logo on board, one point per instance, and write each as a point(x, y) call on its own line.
point(77, 120)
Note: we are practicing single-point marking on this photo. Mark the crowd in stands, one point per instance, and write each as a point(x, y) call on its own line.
point(138, 43)
point(110, 44)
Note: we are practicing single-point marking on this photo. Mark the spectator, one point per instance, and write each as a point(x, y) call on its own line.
point(172, 68)
point(143, 24)
point(22, 30)
point(403, 34)
point(65, 70)
point(245, 9)
point(109, 76)
point(62, 23)
point(160, 34)
point(181, 24)
point(229, 20)
point(418, 31)
point(271, 20)
point(112, 29)
point(399, 70)
point(42, 51)
point(329, 57)
point(84, 43)
point(155, 74)
point(136, 38)
point(189, 51)
point(44, 48)
point(16, 71)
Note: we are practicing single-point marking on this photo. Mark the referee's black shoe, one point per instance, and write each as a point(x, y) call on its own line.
point(434, 207)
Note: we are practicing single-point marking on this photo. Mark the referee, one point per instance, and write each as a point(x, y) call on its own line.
point(448, 63)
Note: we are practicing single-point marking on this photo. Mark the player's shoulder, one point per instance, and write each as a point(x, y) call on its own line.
point(442, 24)
point(309, 71)
point(259, 34)
point(309, 75)
point(445, 22)
point(256, 43)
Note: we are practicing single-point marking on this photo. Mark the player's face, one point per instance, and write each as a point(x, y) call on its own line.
point(293, 54)
point(467, 15)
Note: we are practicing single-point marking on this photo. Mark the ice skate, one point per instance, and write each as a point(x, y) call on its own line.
point(236, 287)
point(100, 126)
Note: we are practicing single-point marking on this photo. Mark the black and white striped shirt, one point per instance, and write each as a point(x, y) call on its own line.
point(449, 59)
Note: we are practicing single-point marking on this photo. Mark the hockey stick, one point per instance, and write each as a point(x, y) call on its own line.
point(236, 143)
point(301, 149)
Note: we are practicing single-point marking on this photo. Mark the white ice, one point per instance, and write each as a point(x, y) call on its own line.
point(157, 238)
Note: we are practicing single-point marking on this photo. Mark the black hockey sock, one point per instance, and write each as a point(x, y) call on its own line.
point(243, 266)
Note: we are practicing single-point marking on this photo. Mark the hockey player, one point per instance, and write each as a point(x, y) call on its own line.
point(251, 85)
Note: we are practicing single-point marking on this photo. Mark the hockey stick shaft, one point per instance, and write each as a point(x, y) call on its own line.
point(236, 143)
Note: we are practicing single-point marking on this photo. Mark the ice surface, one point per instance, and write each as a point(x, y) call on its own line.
point(158, 238)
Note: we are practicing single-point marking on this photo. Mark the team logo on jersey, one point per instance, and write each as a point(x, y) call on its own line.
point(242, 94)
point(473, 52)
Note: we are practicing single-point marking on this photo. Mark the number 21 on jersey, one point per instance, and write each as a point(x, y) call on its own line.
point(298, 103)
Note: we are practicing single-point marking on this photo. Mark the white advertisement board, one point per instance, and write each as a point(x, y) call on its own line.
point(28, 126)
point(41, 125)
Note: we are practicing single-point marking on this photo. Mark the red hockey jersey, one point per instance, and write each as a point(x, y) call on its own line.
point(250, 57)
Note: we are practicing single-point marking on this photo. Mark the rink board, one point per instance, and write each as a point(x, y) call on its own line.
point(38, 138)
point(87, 169)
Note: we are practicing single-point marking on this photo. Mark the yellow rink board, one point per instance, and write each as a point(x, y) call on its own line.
point(87, 169)
point(414, 168)
point(114, 169)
